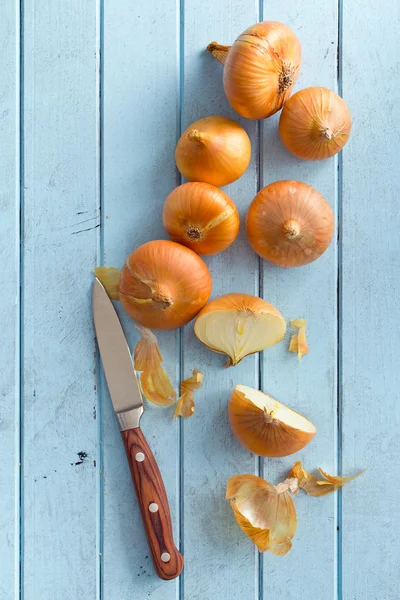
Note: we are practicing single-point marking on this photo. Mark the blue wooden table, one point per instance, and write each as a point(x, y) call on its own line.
point(93, 96)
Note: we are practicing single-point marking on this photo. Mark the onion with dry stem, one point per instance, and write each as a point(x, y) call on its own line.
point(315, 124)
point(238, 325)
point(265, 513)
point(162, 285)
point(215, 150)
point(266, 427)
point(289, 224)
point(201, 217)
point(260, 68)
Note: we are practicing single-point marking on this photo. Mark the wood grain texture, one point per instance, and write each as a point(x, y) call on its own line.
point(306, 292)
point(218, 559)
point(140, 73)
point(60, 251)
point(9, 300)
point(150, 490)
point(370, 547)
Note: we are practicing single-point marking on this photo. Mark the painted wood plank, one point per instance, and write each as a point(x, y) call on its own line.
point(60, 251)
point(140, 127)
point(9, 301)
point(371, 287)
point(309, 292)
point(219, 560)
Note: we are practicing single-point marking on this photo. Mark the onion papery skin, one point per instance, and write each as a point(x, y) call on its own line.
point(315, 124)
point(272, 439)
point(238, 325)
point(289, 224)
point(201, 217)
point(261, 68)
point(164, 285)
point(215, 150)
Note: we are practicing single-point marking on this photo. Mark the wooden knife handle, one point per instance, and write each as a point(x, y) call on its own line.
point(153, 501)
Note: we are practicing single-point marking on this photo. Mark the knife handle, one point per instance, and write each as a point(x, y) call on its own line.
point(153, 501)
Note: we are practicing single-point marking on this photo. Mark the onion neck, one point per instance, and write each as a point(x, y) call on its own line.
point(286, 78)
point(193, 233)
point(195, 136)
point(291, 229)
point(327, 133)
point(162, 299)
point(268, 418)
point(218, 51)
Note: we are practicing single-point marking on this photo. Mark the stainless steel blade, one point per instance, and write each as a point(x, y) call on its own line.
point(117, 360)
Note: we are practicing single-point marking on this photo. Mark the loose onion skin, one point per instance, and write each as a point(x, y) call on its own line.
point(163, 285)
point(201, 217)
point(215, 150)
point(289, 224)
point(315, 124)
point(268, 427)
point(260, 68)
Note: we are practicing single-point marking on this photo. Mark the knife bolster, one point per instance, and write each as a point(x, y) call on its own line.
point(130, 419)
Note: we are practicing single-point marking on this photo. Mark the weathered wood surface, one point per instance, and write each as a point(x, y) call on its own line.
point(369, 548)
point(106, 88)
point(9, 301)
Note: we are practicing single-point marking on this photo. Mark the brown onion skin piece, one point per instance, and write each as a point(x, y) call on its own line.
point(284, 206)
point(273, 440)
point(164, 285)
point(315, 124)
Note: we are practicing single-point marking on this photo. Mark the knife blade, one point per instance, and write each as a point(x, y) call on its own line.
point(127, 401)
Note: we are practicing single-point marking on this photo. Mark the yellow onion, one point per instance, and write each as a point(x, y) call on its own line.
point(215, 150)
point(266, 427)
point(201, 217)
point(289, 224)
point(162, 285)
point(315, 124)
point(238, 325)
point(260, 68)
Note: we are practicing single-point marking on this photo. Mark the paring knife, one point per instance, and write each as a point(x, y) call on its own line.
point(128, 405)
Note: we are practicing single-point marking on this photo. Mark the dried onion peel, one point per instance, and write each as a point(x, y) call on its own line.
point(314, 487)
point(298, 342)
point(109, 277)
point(266, 427)
point(289, 224)
point(185, 404)
point(265, 513)
point(154, 380)
point(238, 325)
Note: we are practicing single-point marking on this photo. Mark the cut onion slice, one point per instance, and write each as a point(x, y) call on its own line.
point(238, 325)
point(265, 426)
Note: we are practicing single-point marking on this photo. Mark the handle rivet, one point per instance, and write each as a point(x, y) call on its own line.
point(139, 457)
point(153, 507)
point(165, 557)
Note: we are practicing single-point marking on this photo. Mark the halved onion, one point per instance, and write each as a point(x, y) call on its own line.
point(238, 325)
point(265, 426)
